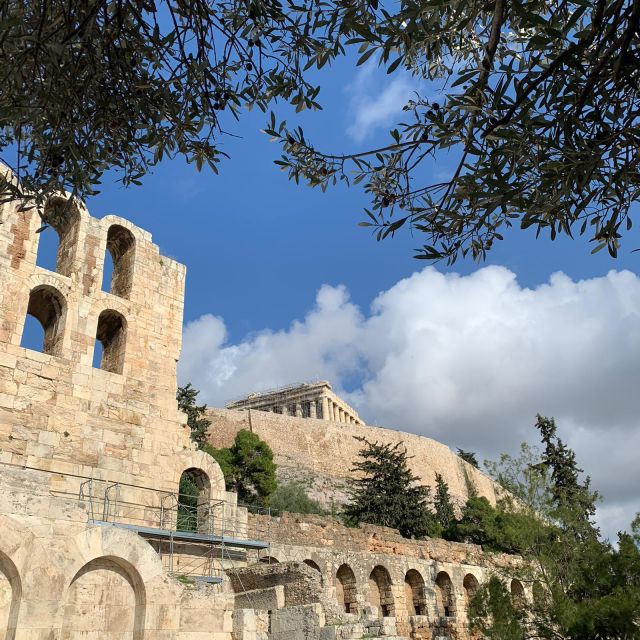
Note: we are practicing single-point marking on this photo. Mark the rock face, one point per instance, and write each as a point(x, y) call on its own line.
point(320, 453)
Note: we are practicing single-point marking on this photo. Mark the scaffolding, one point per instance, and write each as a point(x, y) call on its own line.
point(195, 542)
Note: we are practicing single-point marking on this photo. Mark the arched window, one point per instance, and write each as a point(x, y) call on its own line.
point(346, 590)
point(112, 336)
point(444, 595)
point(517, 593)
point(194, 494)
point(48, 306)
point(117, 276)
point(58, 238)
point(414, 593)
point(380, 591)
point(470, 585)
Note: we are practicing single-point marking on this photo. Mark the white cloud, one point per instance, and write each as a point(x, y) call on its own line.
point(376, 99)
point(466, 360)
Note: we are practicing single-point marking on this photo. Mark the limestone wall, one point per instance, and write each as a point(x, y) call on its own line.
point(59, 412)
point(323, 452)
point(424, 584)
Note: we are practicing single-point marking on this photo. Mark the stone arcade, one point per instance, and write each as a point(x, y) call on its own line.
point(94, 541)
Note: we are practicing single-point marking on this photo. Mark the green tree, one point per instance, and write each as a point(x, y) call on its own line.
point(187, 512)
point(442, 504)
point(248, 468)
point(197, 421)
point(292, 497)
point(590, 589)
point(385, 492)
point(468, 456)
point(494, 614)
point(537, 104)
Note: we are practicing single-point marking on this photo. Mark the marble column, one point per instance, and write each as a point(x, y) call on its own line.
point(298, 410)
point(285, 410)
point(312, 409)
point(325, 408)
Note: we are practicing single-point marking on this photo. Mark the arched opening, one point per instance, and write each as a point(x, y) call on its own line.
point(470, 585)
point(10, 594)
point(414, 593)
point(117, 277)
point(106, 598)
point(313, 565)
point(269, 560)
point(444, 595)
point(517, 593)
point(58, 237)
point(194, 495)
point(346, 590)
point(112, 336)
point(48, 306)
point(380, 592)
point(538, 593)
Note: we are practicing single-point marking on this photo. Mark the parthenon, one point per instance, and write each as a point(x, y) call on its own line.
point(307, 400)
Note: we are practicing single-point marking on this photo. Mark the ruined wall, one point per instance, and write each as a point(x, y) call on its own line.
point(425, 585)
point(322, 453)
point(57, 411)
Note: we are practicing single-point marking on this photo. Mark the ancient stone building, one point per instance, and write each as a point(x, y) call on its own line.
point(95, 540)
point(310, 400)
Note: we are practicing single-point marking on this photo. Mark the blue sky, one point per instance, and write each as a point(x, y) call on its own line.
point(283, 285)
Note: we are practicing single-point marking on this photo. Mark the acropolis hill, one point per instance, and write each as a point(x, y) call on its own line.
point(95, 541)
point(321, 451)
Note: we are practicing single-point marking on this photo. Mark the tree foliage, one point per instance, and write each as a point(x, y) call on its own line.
point(494, 613)
point(197, 421)
point(442, 503)
point(586, 588)
point(110, 84)
point(385, 492)
point(537, 104)
point(248, 468)
point(468, 456)
point(293, 498)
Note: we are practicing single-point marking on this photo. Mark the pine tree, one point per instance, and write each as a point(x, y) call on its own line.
point(445, 513)
point(248, 468)
point(387, 493)
point(196, 420)
point(468, 456)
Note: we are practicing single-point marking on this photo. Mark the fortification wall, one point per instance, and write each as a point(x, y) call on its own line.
point(322, 453)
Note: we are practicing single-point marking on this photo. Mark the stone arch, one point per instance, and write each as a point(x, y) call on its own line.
point(10, 596)
point(517, 593)
point(206, 463)
point(380, 594)
point(194, 501)
point(470, 585)
point(63, 220)
point(111, 332)
point(312, 564)
point(121, 246)
point(106, 594)
point(49, 307)
point(269, 560)
point(444, 595)
point(346, 589)
point(414, 593)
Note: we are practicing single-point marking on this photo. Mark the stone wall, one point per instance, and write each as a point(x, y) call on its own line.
point(321, 453)
point(372, 572)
